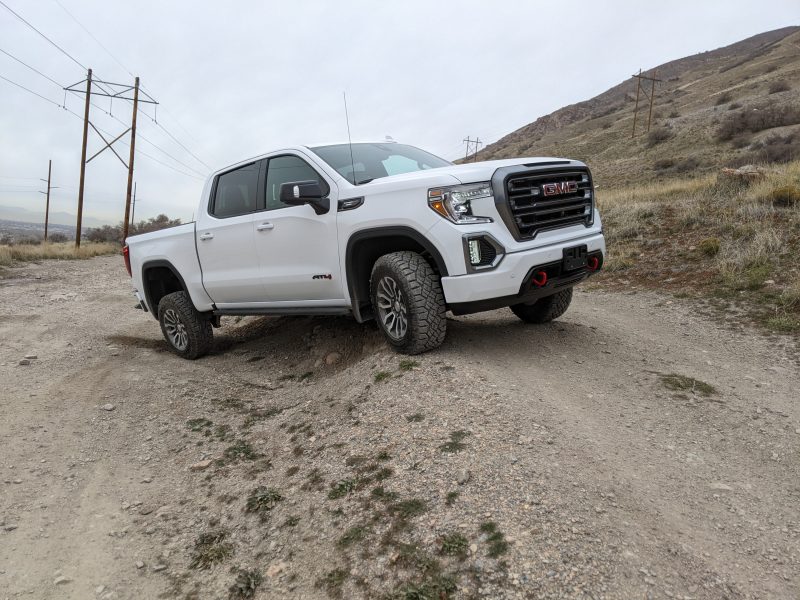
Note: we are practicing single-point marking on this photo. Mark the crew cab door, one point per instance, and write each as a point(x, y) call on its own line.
point(225, 237)
point(297, 248)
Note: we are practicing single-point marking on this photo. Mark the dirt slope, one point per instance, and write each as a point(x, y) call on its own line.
point(517, 461)
point(697, 94)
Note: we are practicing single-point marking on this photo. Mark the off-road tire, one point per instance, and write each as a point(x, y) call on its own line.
point(544, 309)
point(197, 328)
point(421, 291)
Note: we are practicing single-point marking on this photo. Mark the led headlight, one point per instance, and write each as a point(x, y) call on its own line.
point(455, 203)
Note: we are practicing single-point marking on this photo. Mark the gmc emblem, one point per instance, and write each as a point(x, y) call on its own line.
point(559, 189)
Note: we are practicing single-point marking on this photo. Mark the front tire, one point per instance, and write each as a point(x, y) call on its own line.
point(544, 309)
point(187, 332)
point(408, 302)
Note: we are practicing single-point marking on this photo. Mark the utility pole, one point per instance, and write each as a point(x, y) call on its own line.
point(47, 206)
point(83, 158)
point(478, 142)
point(641, 90)
point(133, 206)
point(130, 161)
point(468, 141)
point(120, 91)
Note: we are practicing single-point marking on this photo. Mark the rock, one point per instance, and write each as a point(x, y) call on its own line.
point(10, 527)
point(200, 466)
point(109, 407)
point(31, 357)
point(61, 580)
point(159, 568)
point(276, 569)
point(463, 477)
point(147, 480)
point(139, 564)
point(333, 358)
point(145, 510)
point(744, 174)
point(24, 362)
point(99, 589)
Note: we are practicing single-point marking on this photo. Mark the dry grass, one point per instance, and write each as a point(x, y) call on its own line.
point(58, 251)
point(732, 240)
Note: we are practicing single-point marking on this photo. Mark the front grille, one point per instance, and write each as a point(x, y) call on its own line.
point(533, 212)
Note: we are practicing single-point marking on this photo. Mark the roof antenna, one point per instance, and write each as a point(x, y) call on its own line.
point(349, 139)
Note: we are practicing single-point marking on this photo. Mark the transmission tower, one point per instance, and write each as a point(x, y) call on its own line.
point(119, 91)
point(642, 90)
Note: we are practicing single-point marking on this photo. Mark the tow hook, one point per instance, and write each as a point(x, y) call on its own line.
point(539, 279)
point(593, 263)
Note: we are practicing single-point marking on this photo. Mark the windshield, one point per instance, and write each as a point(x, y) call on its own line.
point(373, 161)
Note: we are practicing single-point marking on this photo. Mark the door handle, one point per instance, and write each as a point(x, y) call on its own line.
point(206, 236)
point(265, 226)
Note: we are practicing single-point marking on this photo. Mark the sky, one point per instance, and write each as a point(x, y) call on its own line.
point(242, 78)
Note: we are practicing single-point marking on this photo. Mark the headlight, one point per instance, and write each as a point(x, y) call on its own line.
point(455, 202)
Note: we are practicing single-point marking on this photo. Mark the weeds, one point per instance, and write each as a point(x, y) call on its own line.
point(245, 585)
point(382, 376)
point(682, 383)
point(415, 418)
point(407, 364)
point(58, 251)
point(455, 544)
point(262, 500)
point(352, 535)
point(342, 488)
point(456, 443)
point(209, 549)
point(241, 450)
point(333, 581)
point(451, 498)
point(495, 538)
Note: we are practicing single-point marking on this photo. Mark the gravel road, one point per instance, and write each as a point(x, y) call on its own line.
point(636, 448)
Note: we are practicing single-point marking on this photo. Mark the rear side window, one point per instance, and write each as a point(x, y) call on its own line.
point(236, 192)
point(288, 169)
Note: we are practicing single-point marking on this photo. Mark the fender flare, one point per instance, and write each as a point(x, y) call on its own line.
point(151, 264)
point(379, 232)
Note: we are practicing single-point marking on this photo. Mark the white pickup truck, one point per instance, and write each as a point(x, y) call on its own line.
point(381, 231)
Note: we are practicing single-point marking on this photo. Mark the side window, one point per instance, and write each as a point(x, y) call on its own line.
point(285, 169)
point(236, 192)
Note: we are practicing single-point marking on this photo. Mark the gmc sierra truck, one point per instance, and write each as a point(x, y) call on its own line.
point(381, 231)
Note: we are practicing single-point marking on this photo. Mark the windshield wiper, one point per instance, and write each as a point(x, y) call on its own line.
point(364, 181)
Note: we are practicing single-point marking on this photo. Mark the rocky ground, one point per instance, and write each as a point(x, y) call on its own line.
point(636, 448)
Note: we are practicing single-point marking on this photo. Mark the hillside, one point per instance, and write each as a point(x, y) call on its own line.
point(732, 105)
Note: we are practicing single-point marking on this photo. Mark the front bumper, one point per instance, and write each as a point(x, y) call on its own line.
point(507, 283)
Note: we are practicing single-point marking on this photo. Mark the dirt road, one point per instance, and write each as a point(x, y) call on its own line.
point(634, 449)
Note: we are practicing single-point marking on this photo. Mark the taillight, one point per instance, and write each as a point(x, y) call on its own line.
point(126, 254)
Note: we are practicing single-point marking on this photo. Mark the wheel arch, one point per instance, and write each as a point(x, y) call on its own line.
point(159, 278)
point(366, 246)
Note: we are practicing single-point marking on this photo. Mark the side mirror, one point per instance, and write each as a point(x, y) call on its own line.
point(297, 193)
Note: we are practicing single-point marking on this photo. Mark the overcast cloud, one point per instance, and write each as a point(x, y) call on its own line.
point(243, 78)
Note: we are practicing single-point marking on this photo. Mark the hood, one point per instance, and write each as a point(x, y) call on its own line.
point(453, 174)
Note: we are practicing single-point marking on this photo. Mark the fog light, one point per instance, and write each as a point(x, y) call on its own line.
point(474, 252)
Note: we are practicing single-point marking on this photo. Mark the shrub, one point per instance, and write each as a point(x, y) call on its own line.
point(690, 163)
point(674, 114)
point(779, 86)
point(757, 119)
point(787, 196)
point(734, 106)
point(664, 163)
point(709, 246)
point(57, 238)
point(723, 98)
point(657, 136)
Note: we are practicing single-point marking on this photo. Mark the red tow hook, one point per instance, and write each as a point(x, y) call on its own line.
point(593, 263)
point(539, 278)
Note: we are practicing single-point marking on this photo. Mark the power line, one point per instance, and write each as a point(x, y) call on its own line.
point(119, 62)
point(29, 90)
point(64, 52)
point(30, 67)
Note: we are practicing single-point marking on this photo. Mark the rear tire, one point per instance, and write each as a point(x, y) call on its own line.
point(544, 309)
point(187, 332)
point(408, 302)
